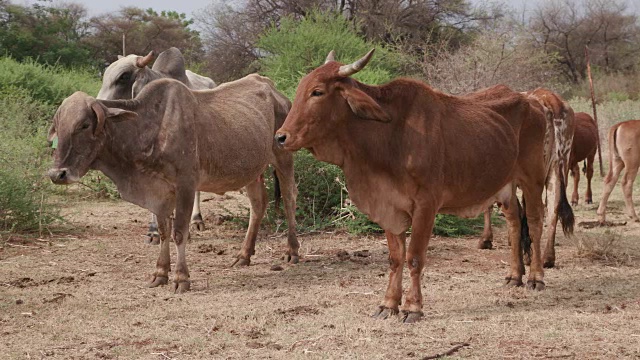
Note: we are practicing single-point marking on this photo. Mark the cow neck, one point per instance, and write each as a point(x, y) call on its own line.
point(125, 142)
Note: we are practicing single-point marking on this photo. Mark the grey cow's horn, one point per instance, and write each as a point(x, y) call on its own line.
point(331, 57)
point(144, 61)
point(348, 70)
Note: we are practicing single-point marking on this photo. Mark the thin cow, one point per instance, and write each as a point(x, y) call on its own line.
point(409, 152)
point(168, 142)
point(585, 145)
point(624, 154)
point(126, 77)
point(561, 118)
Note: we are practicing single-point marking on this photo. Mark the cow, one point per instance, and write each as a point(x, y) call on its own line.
point(168, 142)
point(124, 78)
point(624, 153)
point(409, 152)
point(561, 118)
point(585, 146)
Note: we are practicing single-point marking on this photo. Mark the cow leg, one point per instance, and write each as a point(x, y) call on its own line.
point(196, 216)
point(258, 197)
point(153, 237)
point(627, 188)
point(575, 172)
point(284, 171)
point(553, 187)
point(486, 241)
point(609, 183)
point(588, 196)
point(393, 296)
point(184, 203)
point(422, 227)
point(512, 216)
point(163, 265)
point(534, 213)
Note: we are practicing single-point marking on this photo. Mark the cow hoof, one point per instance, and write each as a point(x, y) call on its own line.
point(548, 264)
point(574, 203)
point(153, 238)
point(383, 312)
point(410, 317)
point(510, 282)
point(198, 225)
point(291, 259)
point(535, 285)
point(588, 201)
point(241, 262)
point(181, 287)
point(485, 244)
point(157, 281)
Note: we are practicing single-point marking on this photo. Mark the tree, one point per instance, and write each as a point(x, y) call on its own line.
point(565, 27)
point(144, 31)
point(230, 32)
point(49, 34)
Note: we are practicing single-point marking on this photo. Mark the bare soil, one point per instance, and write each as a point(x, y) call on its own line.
point(80, 293)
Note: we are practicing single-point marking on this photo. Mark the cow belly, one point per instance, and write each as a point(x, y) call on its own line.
point(503, 196)
point(221, 182)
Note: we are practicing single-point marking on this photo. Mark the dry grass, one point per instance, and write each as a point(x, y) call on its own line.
point(81, 295)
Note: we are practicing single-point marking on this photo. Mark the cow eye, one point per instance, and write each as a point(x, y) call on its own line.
point(317, 93)
point(85, 126)
point(124, 77)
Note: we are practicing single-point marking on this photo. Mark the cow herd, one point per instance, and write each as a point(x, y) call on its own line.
point(408, 152)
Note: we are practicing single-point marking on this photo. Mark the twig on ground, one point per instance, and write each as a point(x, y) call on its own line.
point(360, 293)
point(23, 246)
point(164, 355)
point(448, 352)
point(313, 340)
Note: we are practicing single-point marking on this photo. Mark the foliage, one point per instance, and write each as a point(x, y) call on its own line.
point(294, 48)
point(48, 34)
point(144, 30)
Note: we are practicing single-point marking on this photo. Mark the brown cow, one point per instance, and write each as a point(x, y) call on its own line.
point(624, 153)
point(560, 116)
point(585, 146)
point(168, 142)
point(409, 152)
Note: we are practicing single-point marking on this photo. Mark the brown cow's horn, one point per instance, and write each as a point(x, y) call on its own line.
point(97, 108)
point(144, 61)
point(348, 70)
point(331, 57)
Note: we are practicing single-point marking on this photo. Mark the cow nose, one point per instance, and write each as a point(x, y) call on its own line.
point(281, 138)
point(58, 176)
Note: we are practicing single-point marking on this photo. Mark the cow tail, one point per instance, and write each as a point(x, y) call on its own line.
point(563, 149)
point(613, 151)
point(525, 237)
point(584, 167)
point(277, 193)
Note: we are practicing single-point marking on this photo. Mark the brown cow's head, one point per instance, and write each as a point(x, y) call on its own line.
point(79, 125)
point(326, 98)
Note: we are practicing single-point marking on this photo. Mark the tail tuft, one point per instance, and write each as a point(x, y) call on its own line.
point(564, 210)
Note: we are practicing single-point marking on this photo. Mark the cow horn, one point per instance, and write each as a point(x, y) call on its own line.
point(331, 57)
point(144, 61)
point(348, 70)
point(97, 108)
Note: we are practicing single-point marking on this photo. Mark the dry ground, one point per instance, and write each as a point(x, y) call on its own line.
point(80, 294)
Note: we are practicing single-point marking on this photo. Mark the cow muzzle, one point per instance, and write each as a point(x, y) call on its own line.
point(60, 176)
point(281, 138)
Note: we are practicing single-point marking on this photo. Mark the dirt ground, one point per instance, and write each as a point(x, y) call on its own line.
point(80, 293)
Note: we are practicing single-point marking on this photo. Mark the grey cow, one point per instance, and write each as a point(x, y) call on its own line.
point(124, 78)
point(168, 142)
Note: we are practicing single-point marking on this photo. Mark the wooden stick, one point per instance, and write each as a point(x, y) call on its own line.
point(447, 353)
point(593, 103)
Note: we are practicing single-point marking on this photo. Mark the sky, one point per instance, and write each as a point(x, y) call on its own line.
point(189, 7)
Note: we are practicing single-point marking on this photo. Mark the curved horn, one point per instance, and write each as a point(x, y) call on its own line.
point(144, 61)
point(99, 110)
point(331, 57)
point(348, 70)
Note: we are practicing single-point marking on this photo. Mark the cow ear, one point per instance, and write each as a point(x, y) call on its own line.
point(120, 57)
point(52, 133)
point(364, 106)
point(117, 115)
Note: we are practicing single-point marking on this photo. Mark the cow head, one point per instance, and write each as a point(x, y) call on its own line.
point(124, 78)
point(79, 125)
point(325, 99)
